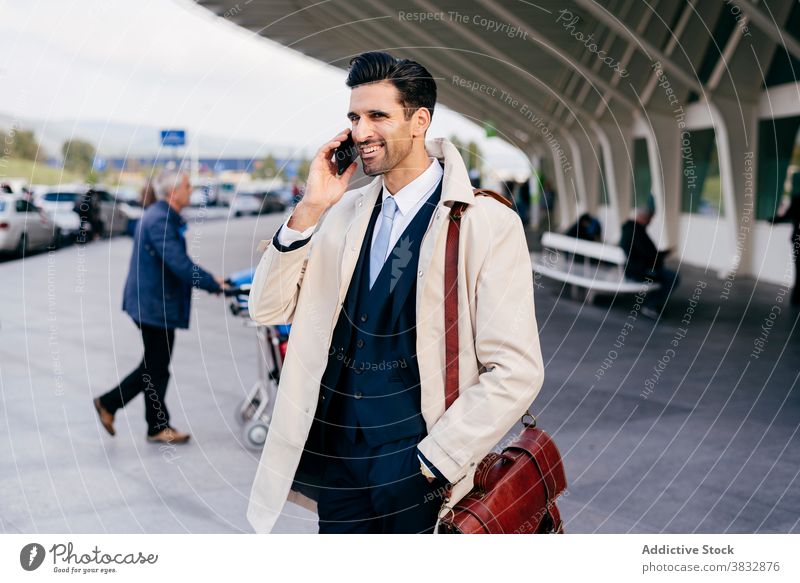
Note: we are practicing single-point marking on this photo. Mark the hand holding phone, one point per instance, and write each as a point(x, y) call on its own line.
point(345, 154)
point(328, 178)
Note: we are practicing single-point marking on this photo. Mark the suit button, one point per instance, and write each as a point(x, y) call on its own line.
point(364, 317)
point(360, 343)
point(358, 394)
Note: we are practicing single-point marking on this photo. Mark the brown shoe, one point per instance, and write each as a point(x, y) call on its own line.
point(169, 436)
point(106, 418)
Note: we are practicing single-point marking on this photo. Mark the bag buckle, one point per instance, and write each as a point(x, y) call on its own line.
point(532, 422)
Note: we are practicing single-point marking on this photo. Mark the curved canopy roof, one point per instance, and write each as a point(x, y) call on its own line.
point(522, 66)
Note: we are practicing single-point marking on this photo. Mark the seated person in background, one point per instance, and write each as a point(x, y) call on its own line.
point(587, 227)
point(792, 215)
point(645, 261)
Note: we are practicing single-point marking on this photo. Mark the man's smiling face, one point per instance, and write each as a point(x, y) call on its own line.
point(380, 130)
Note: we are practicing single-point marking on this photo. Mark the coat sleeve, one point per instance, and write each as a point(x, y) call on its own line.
point(277, 280)
point(167, 245)
point(507, 346)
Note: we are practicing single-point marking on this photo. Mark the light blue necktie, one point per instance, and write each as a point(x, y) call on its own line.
point(377, 254)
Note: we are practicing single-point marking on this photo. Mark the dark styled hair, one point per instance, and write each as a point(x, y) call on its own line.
point(413, 81)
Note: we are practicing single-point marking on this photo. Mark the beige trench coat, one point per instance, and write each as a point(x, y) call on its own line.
point(500, 362)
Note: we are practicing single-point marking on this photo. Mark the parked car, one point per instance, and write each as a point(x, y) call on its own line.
point(59, 205)
point(286, 196)
point(246, 203)
point(273, 202)
point(24, 227)
point(128, 194)
point(13, 185)
point(130, 202)
point(114, 213)
point(200, 196)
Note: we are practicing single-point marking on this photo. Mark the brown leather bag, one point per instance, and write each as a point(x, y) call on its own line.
point(514, 491)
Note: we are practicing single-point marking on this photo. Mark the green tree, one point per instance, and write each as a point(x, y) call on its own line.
point(78, 155)
point(6, 145)
point(473, 159)
point(268, 168)
point(25, 145)
point(20, 144)
point(471, 153)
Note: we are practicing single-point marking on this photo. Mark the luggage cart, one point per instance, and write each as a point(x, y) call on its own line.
point(254, 413)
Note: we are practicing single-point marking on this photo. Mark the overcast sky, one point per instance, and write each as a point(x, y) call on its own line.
point(170, 63)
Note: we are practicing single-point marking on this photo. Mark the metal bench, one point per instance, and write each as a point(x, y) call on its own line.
point(606, 274)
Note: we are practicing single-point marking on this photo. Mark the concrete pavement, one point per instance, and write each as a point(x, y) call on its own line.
point(675, 427)
point(64, 339)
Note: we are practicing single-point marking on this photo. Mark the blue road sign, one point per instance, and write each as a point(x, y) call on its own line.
point(173, 137)
point(290, 169)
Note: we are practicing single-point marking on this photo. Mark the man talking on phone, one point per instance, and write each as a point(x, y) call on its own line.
point(359, 431)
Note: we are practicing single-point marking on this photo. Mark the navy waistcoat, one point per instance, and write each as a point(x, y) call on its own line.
point(372, 378)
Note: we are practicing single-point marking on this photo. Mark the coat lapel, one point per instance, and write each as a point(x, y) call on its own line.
point(354, 235)
point(455, 187)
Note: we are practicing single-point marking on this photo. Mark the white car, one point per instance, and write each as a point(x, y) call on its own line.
point(24, 226)
point(15, 185)
point(127, 194)
point(59, 205)
point(246, 204)
point(201, 196)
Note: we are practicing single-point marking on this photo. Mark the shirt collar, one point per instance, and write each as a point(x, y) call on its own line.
point(408, 196)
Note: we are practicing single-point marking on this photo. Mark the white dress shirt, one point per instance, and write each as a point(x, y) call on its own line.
point(409, 200)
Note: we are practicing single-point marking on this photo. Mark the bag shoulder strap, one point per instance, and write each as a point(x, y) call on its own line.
point(495, 195)
point(451, 293)
point(451, 304)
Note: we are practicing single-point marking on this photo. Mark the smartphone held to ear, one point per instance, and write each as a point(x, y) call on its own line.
point(345, 154)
